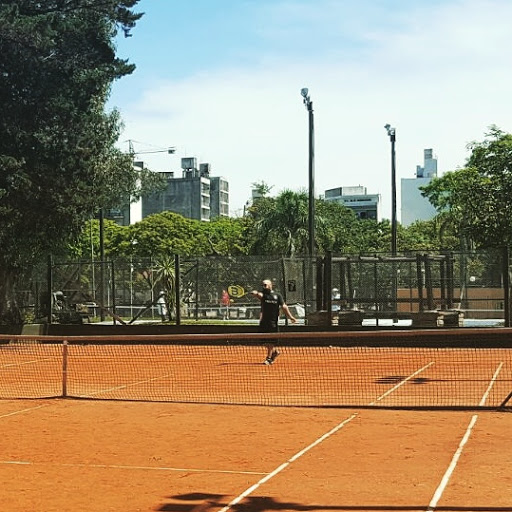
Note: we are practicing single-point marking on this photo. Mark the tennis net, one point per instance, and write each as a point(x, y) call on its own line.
point(401, 369)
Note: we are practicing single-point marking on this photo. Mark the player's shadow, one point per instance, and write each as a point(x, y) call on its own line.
point(204, 502)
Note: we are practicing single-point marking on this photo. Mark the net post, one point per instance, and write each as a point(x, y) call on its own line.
point(64, 369)
point(504, 403)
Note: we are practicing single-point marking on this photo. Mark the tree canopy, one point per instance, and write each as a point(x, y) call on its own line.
point(58, 160)
point(477, 199)
point(279, 226)
point(272, 226)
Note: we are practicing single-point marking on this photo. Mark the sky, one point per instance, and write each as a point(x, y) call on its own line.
point(220, 80)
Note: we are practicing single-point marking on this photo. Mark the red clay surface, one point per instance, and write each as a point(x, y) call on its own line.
point(132, 456)
point(92, 456)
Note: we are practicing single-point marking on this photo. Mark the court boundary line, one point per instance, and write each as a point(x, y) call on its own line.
point(465, 438)
point(319, 440)
point(34, 361)
point(396, 386)
point(20, 411)
point(125, 466)
point(124, 386)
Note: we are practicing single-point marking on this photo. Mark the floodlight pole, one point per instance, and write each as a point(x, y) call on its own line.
point(392, 137)
point(311, 217)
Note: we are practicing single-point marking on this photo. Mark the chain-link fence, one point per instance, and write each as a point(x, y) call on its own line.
point(318, 290)
point(220, 287)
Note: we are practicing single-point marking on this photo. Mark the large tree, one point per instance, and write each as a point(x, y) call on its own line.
point(477, 199)
point(163, 234)
point(58, 161)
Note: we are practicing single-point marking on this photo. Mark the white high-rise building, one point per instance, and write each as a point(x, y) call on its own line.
point(413, 205)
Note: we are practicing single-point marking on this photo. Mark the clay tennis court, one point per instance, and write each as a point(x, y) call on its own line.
point(109, 451)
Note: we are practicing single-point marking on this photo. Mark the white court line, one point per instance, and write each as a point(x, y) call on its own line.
point(139, 468)
point(22, 411)
point(125, 386)
point(34, 361)
point(278, 470)
point(455, 459)
point(401, 383)
point(491, 384)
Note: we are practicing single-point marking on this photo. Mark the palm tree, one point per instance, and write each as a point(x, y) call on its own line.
point(281, 224)
point(166, 280)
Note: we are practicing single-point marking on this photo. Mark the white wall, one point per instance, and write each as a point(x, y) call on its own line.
point(414, 206)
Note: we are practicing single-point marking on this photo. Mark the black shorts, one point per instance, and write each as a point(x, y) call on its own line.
point(270, 327)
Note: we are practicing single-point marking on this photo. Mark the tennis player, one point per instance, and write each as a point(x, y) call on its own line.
point(272, 303)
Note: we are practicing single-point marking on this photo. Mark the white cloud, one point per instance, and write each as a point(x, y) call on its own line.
point(439, 73)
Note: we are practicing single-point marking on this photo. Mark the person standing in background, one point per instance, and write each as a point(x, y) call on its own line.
point(225, 301)
point(162, 306)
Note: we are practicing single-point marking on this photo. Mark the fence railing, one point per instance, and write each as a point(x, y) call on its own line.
point(328, 289)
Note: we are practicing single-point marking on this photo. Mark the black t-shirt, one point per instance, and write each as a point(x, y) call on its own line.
point(271, 304)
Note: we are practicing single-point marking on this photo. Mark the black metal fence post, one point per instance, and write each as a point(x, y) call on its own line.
point(177, 286)
point(49, 289)
point(506, 285)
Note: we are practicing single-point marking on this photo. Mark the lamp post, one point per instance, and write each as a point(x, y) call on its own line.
point(392, 137)
point(309, 107)
point(394, 292)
